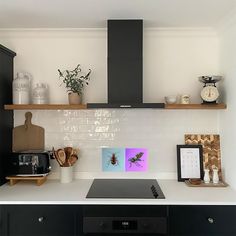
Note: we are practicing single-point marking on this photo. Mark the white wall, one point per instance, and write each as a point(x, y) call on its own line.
point(173, 59)
point(228, 118)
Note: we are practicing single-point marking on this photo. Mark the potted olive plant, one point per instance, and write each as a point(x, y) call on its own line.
point(74, 81)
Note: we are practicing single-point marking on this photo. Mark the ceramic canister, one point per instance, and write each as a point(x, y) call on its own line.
point(185, 99)
point(66, 175)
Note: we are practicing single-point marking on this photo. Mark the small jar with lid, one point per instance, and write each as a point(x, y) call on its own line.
point(21, 89)
point(40, 94)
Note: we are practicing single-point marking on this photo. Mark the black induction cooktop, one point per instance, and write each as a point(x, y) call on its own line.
point(125, 188)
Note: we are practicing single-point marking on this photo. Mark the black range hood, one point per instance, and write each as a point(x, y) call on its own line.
point(125, 66)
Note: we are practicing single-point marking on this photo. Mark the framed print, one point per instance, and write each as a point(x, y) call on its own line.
point(136, 159)
point(113, 159)
point(189, 162)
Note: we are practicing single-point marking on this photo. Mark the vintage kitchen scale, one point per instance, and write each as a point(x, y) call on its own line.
point(210, 92)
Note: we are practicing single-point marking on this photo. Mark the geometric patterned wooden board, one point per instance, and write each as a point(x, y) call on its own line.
point(211, 150)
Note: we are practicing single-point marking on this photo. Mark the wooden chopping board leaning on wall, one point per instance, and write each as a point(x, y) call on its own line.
point(28, 136)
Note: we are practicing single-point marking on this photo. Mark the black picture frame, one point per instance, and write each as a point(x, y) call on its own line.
point(195, 156)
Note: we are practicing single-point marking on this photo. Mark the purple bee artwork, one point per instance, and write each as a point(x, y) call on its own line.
point(136, 159)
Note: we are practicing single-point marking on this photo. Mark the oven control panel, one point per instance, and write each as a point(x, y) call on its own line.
point(125, 225)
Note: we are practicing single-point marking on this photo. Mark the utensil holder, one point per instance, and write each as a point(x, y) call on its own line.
point(66, 175)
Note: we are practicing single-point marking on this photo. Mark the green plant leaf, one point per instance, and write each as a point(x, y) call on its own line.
point(74, 80)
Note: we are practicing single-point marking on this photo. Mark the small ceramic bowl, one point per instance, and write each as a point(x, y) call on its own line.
point(170, 99)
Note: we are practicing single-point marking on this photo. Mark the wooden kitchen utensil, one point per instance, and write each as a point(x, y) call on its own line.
point(56, 157)
point(28, 136)
point(202, 184)
point(65, 157)
point(61, 156)
point(68, 151)
point(72, 159)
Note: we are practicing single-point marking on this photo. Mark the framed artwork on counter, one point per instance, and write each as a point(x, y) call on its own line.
point(189, 162)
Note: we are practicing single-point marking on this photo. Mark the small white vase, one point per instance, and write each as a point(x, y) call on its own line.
point(206, 176)
point(215, 177)
point(66, 175)
point(74, 98)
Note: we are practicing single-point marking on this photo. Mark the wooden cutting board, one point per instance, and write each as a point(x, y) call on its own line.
point(28, 136)
point(211, 150)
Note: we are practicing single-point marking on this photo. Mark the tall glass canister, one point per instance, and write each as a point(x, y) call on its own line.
point(21, 89)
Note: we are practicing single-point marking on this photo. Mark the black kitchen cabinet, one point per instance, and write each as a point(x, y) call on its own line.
point(40, 220)
point(202, 220)
point(95, 220)
point(1, 222)
point(6, 117)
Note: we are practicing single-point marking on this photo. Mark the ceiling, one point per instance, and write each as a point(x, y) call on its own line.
point(94, 13)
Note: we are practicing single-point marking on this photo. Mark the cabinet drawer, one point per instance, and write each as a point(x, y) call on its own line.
point(203, 220)
point(40, 220)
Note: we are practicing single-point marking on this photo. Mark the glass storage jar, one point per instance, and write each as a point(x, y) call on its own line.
point(21, 89)
point(40, 94)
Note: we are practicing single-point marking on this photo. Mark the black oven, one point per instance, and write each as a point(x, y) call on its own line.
point(126, 220)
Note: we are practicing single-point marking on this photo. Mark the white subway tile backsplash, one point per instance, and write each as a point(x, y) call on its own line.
point(90, 130)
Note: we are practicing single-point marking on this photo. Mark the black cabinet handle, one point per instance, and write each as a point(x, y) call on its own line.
point(102, 225)
point(41, 219)
point(210, 220)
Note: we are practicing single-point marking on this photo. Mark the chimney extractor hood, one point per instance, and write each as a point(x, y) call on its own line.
point(125, 66)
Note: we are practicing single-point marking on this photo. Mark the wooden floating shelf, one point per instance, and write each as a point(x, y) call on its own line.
point(44, 107)
point(196, 106)
point(84, 106)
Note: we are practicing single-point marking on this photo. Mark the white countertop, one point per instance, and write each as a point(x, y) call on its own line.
point(53, 192)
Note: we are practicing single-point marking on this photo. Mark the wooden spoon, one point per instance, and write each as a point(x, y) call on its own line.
point(61, 156)
point(75, 151)
point(66, 164)
point(68, 151)
point(56, 157)
point(72, 159)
